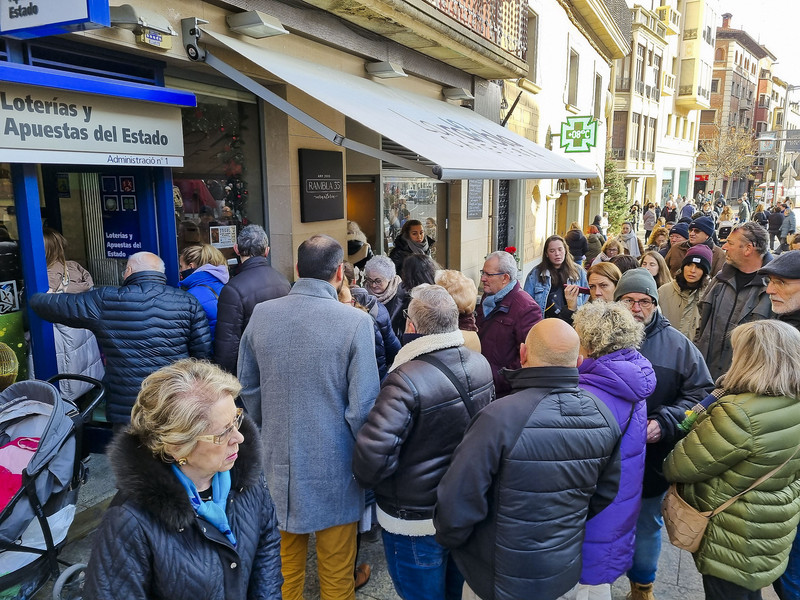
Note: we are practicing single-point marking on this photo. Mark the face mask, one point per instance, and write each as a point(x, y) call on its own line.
point(184, 274)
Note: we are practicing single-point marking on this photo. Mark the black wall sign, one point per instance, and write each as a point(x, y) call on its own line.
point(475, 199)
point(321, 185)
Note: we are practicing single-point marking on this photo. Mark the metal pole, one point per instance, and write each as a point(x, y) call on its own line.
point(780, 147)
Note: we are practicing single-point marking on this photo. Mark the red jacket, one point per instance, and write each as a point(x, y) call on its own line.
point(504, 330)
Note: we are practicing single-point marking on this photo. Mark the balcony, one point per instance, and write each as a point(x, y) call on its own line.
point(650, 157)
point(634, 154)
point(639, 86)
point(671, 19)
point(618, 153)
point(623, 84)
point(667, 84)
point(763, 103)
point(643, 17)
point(691, 97)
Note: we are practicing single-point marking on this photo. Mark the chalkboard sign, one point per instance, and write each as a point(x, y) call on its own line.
point(321, 185)
point(475, 199)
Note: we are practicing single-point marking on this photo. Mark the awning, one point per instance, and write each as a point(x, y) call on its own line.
point(460, 143)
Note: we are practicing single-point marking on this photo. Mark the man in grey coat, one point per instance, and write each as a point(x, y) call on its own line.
point(309, 379)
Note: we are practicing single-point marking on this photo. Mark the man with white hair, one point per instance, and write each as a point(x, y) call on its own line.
point(435, 386)
point(504, 317)
point(141, 326)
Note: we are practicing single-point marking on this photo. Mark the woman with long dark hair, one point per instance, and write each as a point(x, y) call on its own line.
point(554, 282)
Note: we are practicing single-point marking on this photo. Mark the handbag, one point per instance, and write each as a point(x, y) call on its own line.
point(686, 525)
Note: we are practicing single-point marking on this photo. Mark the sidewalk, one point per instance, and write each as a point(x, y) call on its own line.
point(677, 577)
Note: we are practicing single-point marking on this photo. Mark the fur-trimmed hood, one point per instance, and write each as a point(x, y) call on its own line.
point(427, 344)
point(150, 483)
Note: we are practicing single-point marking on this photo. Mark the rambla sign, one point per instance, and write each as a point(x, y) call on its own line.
point(54, 124)
point(579, 134)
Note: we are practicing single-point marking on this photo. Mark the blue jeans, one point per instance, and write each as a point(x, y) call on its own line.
point(648, 541)
point(420, 568)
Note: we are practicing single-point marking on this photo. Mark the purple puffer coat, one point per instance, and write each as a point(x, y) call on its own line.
point(622, 379)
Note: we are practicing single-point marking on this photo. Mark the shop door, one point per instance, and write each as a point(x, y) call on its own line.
point(417, 198)
point(105, 215)
point(361, 199)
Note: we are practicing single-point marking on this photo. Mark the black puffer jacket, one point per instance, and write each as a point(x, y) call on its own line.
point(141, 326)
point(255, 282)
point(151, 544)
point(386, 342)
point(402, 250)
point(514, 502)
point(682, 380)
point(577, 243)
point(404, 448)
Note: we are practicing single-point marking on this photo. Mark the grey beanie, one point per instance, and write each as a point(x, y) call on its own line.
point(637, 281)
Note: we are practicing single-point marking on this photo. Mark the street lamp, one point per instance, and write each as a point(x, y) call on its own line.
point(780, 139)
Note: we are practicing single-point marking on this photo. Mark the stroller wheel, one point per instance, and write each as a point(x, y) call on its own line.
point(69, 585)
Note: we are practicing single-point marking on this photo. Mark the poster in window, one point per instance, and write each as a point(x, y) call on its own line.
point(321, 185)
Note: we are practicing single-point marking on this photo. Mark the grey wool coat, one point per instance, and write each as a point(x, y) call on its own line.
point(309, 379)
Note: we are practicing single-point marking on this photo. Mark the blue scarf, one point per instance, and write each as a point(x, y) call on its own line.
point(212, 511)
point(491, 301)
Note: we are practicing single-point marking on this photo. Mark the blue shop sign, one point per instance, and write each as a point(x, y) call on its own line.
point(26, 19)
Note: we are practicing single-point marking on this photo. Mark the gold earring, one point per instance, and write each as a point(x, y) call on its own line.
point(182, 462)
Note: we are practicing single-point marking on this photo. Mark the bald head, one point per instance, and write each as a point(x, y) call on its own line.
point(144, 261)
point(550, 343)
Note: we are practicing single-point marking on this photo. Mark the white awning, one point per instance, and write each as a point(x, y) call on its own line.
point(460, 143)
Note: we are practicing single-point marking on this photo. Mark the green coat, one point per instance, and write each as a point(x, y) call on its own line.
point(741, 438)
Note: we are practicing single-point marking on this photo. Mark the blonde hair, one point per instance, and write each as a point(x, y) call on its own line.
point(664, 276)
point(657, 232)
point(55, 247)
point(574, 225)
point(605, 269)
point(605, 327)
point(614, 242)
point(727, 214)
point(460, 287)
point(765, 358)
point(173, 406)
point(202, 255)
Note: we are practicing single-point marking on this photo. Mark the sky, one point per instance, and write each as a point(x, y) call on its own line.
point(773, 23)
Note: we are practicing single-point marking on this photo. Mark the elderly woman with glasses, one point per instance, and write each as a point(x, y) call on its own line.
point(193, 518)
point(382, 281)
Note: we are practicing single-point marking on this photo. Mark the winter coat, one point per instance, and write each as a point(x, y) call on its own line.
point(744, 211)
point(687, 211)
point(141, 326)
point(504, 330)
point(682, 380)
point(677, 253)
point(152, 545)
point(404, 448)
point(739, 439)
point(789, 224)
point(722, 309)
point(77, 352)
point(538, 287)
point(358, 250)
point(649, 219)
point(761, 218)
point(513, 504)
point(622, 380)
point(205, 284)
point(310, 387)
point(254, 282)
point(402, 250)
point(775, 222)
point(680, 307)
point(577, 243)
point(595, 247)
point(669, 214)
point(386, 342)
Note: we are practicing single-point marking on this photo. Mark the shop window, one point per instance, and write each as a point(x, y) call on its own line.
point(219, 188)
point(13, 345)
point(418, 198)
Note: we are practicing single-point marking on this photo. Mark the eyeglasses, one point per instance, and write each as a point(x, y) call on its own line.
point(223, 437)
point(377, 281)
point(406, 316)
point(490, 274)
point(643, 304)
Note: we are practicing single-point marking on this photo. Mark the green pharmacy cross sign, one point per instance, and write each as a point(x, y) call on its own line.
point(579, 134)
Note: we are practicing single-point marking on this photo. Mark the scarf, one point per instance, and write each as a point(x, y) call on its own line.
point(390, 291)
point(492, 300)
point(213, 510)
point(466, 322)
point(629, 239)
point(418, 247)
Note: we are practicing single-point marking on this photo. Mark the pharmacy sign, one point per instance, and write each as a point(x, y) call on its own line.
point(579, 134)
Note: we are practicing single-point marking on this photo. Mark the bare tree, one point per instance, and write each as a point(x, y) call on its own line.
point(727, 153)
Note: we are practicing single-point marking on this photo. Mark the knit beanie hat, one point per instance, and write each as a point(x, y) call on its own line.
point(704, 224)
point(637, 281)
point(700, 255)
point(681, 229)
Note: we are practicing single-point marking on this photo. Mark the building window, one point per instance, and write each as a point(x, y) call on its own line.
point(598, 96)
point(719, 55)
point(572, 97)
point(708, 116)
point(533, 45)
point(714, 86)
point(619, 133)
point(635, 119)
point(639, 73)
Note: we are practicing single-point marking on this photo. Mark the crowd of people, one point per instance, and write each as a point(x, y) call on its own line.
point(516, 445)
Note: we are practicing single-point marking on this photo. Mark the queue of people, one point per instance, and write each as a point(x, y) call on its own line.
point(517, 446)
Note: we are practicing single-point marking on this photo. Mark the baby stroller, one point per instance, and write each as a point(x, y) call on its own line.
point(42, 467)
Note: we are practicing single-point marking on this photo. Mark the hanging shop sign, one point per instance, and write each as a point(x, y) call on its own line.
point(25, 19)
point(579, 134)
point(42, 125)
